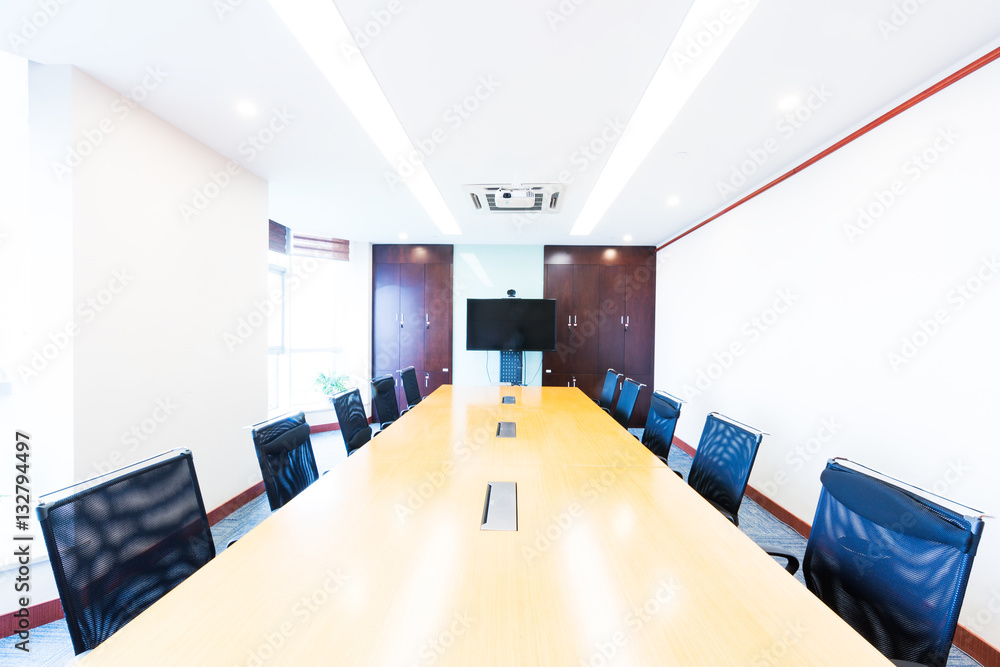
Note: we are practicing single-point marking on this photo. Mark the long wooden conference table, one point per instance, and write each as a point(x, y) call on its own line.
point(614, 560)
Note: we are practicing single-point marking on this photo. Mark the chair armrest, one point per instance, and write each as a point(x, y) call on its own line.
point(792, 564)
point(664, 461)
point(606, 410)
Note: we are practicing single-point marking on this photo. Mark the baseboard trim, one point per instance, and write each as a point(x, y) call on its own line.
point(46, 612)
point(975, 646)
point(323, 428)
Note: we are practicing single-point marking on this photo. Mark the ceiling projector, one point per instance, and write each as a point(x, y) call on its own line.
point(514, 198)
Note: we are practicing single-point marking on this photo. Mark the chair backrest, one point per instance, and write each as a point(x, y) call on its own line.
point(626, 401)
point(722, 464)
point(611, 380)
point(286, 459)
point(409, 377)
point(384, 399)
point(664, 410)
point(119, 542)
point(353, 421)
point(892, 564)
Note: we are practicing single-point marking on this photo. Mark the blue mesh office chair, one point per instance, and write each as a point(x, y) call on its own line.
point(119, 542)
point(658, 435)
point(352, 419)
point(722, 464)
point(890, 562)
point(285, 455)
point(384, 402)
point(410, 386)
point(607, 399)
point(626, 401)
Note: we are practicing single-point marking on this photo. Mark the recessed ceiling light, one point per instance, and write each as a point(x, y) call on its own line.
point(322, 32)
point(789, 102)
point(673, 200)
point(669, 91)
point(627, 238)
point(246, 108)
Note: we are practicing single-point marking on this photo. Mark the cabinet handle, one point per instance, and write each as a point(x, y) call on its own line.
point(401, 316)
point(569, 323)
point(623, 319)
point(574, 320)
point(574, 380)
point(428, 316)
point(427, 378)
point(626, 323)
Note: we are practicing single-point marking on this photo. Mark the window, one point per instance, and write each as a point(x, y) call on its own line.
point(305, 335)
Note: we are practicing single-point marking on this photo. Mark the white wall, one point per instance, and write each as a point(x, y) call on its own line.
point(487, 272)
point(792, 315)
point(161, 360)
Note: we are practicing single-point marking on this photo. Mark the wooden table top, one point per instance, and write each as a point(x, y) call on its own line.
point(382, 562)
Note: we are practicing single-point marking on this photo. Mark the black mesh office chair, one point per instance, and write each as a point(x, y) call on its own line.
point(722, 464)
point(286, 459)
point(353, 421)
point(658, 435)
point(607, 399)
point(890, 562)
point(409, 377)
point(119, 542)
point(384, 400)
point(626, 401)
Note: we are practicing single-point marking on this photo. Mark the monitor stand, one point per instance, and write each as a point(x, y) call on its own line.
point(511, 366)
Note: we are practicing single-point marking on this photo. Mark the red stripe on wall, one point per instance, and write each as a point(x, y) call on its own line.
point(892, 113)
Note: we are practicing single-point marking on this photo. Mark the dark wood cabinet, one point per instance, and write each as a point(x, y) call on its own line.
point(606, 302)
point(412, 314)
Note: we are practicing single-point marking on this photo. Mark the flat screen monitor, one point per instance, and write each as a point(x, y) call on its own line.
point(511, 324)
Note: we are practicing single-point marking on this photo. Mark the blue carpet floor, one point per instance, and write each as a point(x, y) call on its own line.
point(51, 645)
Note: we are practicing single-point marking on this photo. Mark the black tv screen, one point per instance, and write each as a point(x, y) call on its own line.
point(511, 324)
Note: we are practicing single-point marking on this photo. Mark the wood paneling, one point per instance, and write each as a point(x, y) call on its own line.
point(412, 254)
point(605, 315)
point(412, 317)
point(601, 255)
point(385, 325)
point(438, 286)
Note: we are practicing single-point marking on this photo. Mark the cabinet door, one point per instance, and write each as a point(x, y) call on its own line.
point(640, 304)
point(611, 334)
point(431, 380)
point(411, 317)
point(559, 286)
point(386, 324)
point(586, 318)
point(437, 320)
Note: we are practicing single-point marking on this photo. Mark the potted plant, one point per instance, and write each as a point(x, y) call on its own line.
point(332, 383)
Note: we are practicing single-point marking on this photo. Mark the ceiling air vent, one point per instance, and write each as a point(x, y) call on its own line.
point(512, 198)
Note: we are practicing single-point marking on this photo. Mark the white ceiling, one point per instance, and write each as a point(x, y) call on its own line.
point(558, 88)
